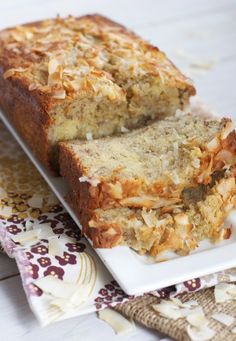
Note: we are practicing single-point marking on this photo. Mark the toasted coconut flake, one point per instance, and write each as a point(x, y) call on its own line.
point(196, 163)
point(89, 136)
point(53, 65)
point(115, 190)
point(225, 156)
point(197, 318)
point(213, 144)
point(92, 181)
point(59, 94)
point(225, 319)
point(200, 334)
point(225, 187)
point(206, 174)
point(162, 222)
point(124, 130)
point(176, 149)
point(5, 211)
point(33, 86)
point(148, 202)
point(36, 201)
point(149, 218)
point(175, 178)
point(180, 113)
point(227, 130)
point(11, 72)
point(29, 35)
point(119, 323)
point(225, 234)
point(181, 219)
point(17, 36)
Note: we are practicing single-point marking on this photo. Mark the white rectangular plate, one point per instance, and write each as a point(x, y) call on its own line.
point(137, 274)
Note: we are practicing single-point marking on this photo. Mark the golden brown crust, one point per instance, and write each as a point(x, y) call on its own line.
point(154, 232)
point(27, 113)
point(29, 100)
point(104, 235)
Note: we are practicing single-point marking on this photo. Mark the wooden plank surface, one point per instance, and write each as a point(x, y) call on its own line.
point(199, 36)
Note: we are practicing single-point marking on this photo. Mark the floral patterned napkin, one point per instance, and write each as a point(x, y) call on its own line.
point(61, 274)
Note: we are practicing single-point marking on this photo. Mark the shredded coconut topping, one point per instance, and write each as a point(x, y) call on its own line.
point(65, 57)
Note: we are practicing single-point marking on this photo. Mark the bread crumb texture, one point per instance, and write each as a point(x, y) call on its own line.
point(178, 228)
point(169, 161)
point(93, 75)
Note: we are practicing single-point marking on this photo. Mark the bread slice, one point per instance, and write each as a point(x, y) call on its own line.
point(163, 164)
point(74, 78)
point(177, 228)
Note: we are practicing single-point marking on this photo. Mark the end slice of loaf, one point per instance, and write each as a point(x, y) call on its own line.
point(177, 228)
point(70, 78)
point(163, 164)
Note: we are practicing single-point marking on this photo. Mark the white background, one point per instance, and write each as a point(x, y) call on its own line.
point(200, 37)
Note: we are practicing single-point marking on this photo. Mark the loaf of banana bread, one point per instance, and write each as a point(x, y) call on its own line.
point(169, 161)
point(78, 78)
point(178, 227)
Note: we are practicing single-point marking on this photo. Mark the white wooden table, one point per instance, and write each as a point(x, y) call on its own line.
point(200, 37)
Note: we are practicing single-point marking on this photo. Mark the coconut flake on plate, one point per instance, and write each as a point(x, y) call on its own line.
point(118, 322)
point(223, 318)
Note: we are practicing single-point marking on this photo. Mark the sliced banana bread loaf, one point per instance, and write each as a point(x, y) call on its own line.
point(70, 78)
point(169, 161)
point(179, 227)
